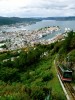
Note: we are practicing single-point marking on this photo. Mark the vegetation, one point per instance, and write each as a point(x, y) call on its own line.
point(31, 74)
point(14, 20)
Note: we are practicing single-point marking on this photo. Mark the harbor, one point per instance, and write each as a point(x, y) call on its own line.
point(43, 32)
point(23, 38)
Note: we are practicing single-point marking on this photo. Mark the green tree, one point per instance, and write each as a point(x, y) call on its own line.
point(68, 40)
point(9, 74)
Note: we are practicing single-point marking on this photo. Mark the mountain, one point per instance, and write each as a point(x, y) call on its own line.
point(14, 20)
point(59, 18)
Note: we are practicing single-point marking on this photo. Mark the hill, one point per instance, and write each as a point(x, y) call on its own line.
point(14, 20)
point(30, 74)
point(59, 18)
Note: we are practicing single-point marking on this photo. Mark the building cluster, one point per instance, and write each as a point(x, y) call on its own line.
point(23, 38)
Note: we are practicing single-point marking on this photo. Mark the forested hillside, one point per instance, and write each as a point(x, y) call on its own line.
point(14, 20)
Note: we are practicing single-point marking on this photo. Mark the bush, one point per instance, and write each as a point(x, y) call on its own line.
point(72, 56)
point(9, 74)
point(40, 93)
point(48, 77)
point(37, 94)
point(58, 97)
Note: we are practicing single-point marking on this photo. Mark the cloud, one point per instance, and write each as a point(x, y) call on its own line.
point(41, 8)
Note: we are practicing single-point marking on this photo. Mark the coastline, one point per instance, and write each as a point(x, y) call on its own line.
point(23, 38)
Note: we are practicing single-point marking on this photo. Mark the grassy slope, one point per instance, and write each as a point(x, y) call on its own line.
point(42, 69)
point(55, 82)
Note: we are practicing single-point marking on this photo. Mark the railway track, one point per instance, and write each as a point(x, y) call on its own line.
point(70, 90)
point(68, 87)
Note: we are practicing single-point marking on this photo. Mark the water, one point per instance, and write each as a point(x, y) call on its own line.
point(45, 23)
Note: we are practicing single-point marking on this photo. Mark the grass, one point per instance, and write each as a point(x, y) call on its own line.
point(44, 68)
point(55, 82)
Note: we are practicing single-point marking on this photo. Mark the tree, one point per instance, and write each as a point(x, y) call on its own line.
point(68, 40)
point(9, 74)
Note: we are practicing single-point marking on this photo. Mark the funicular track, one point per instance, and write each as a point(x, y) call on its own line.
point(68, 87)
point(70, 90)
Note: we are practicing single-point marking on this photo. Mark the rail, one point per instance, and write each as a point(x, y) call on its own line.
point(70, 90)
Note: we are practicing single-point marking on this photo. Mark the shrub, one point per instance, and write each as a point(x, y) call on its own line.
point(72, 56)
point(37, 94)
point(9, 74)
point(58, 97)
point(47, 77)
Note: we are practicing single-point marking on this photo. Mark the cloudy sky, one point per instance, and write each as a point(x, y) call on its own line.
point(37, 8)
